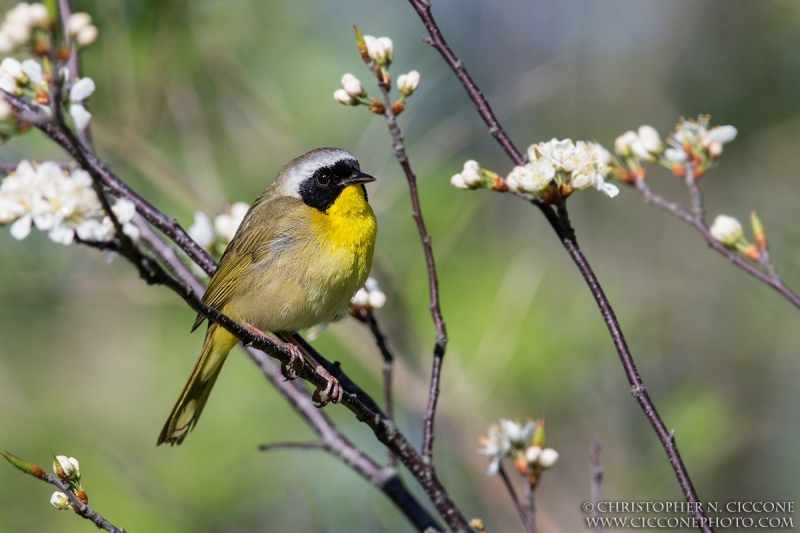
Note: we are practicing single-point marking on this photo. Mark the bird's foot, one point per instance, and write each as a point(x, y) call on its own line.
point(333, 391)
point(291, 369)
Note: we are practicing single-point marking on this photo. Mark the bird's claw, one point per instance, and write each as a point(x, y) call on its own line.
point(333, 391)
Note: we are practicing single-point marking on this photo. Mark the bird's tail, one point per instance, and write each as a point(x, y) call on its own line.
point(186, 412)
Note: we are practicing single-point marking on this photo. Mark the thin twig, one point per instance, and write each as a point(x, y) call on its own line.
point(433, 283)
point(681, 213)
point(597, 481)
point(560, 224)
point(527, 518)
point(315, 445)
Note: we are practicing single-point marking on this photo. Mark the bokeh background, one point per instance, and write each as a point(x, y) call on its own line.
point(200, 103)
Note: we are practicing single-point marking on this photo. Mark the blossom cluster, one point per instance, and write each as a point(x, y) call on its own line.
point(26, 28)
point(524, 444)
point(215, 236)
point(60, 202)
point(68, 471)
point(692, 143)
point(381, 51)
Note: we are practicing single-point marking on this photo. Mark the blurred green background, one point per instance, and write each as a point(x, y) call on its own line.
point(200, 103)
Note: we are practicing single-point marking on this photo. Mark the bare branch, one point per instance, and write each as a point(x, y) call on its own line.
point(525, 516)
point(433, 283)
point(561, 226)
point(679, 212)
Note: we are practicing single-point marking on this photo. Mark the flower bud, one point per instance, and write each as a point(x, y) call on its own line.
point(548, 458)
point(650, 139)
point(377, 299)
point(458, 182)
point(60, 501)
point(38, 14)
point(77, 22)
point(341, 96)
point(379, 49)
point(361, 298)
point(408, 83)
point(532, 454)
point(726, 230)
point(622, 145)
point(87, 35)
point(352, 86)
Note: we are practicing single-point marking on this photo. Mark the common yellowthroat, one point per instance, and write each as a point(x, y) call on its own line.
point(302, 251)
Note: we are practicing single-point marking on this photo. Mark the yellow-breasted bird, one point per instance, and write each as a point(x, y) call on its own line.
point(302, 251)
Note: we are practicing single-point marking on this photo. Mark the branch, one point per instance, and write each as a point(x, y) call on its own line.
point(433, 282)
point(525, 516)
point(561, 226)
point(80, 506)
point(679, 212)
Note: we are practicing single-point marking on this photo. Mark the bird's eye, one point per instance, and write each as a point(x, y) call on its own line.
point(323, 178)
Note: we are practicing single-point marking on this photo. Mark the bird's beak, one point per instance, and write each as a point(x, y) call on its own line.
point(358, 177)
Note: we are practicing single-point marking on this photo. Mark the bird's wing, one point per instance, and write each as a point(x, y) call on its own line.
point(251, 244)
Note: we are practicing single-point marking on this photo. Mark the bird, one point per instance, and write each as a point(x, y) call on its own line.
point(302, 251)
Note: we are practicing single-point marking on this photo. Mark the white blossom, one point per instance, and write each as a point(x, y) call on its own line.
point(408, 83)
point(471, 173)
point(11, 67)
point(33, 70)
point(722, 134)
point(726, 230)
point(352, 86)
point(675, 155)
point(80, 115)
point(495, 445)
point(202, 231)
point(82, 89)
point(533, 177)
point(341, 96)
point(226, 224)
